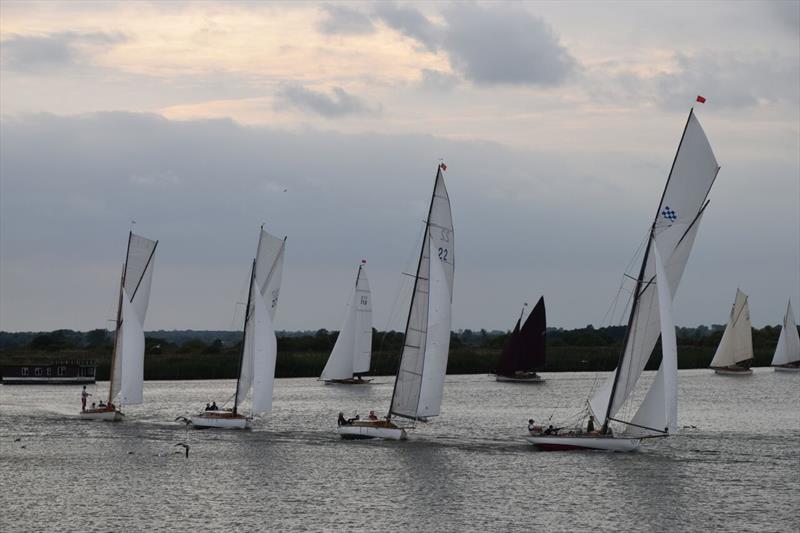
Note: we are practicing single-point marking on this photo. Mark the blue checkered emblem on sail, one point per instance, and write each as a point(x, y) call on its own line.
point(669, 214)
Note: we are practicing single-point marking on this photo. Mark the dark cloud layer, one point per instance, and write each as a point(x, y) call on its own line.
point(409, 22)
point(338, 104)
point(30, 53)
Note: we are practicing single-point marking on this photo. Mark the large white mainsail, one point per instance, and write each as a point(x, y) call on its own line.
point(353, 349)
point(127, 367)
point(420, 377)
point(788, 349)
point(736, 345)
point(673, 230)
point(259, 346)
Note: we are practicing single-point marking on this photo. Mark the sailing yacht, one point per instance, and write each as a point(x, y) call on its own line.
point(126, 382)
point(670, 237)
point(352, 352)
point(787, 352)
point(734, 354)
point(525, 350)
point(419, 384)
point(259, 345)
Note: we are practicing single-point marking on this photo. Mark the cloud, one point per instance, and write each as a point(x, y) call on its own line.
point(340, 19)
point(436, 80)
point(410, 23)
point(338, 104)
point(787, 13)
point(33, 53)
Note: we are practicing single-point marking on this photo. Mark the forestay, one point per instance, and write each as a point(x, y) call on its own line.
point(788, 349)
point(420, 377)
point(673, 230)
point(736, 344)
point(127, 381)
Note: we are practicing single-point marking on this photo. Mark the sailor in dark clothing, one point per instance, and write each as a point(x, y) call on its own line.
point(341, 421)
point(590, 425)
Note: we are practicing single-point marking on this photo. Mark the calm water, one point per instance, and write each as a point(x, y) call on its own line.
point(469, 469)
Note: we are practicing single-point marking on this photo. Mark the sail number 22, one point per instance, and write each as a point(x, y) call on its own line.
point(443, 254)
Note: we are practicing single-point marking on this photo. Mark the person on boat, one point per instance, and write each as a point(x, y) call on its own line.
point(341, 421)
point(214, 406)
point(551, 430)
point(208, 406)
point(93, 405)
point(372, 415)
point(590, 425)
point(533, 428)
point(84, 396)
point(358, 378)
point(351, 420)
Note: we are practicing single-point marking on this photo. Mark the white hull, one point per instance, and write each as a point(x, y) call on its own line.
point(733, 372)
point(513, 379)
point(366, 431)
point(786, 368)
point(220, 420)
point(108, 416)
point(575, 442)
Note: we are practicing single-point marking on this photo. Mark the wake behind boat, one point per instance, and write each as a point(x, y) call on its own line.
point(126, 383)
point(525, 350)
point(672, 233)
point(419, 384)
point(787, 352)
point(352, 352)
point(259, 345)
point(734, 354)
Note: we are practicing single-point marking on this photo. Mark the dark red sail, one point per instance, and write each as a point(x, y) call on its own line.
point(525, 350)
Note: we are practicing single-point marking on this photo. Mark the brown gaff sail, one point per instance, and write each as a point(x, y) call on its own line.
point(525, 350)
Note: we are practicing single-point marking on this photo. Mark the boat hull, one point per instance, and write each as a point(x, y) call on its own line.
point(786, 368)
point(351, 381)
point(532, 378)
point(576, 442)
point(109, 415)
point(733, 371)
point(220, 420)
point(371, 430)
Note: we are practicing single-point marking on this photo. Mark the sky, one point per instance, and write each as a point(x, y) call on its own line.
point(326, 121)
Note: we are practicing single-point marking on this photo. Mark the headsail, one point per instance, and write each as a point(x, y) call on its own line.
point(736, 345)
point(420, 377)
point(788, 349)
point(353, 349)
point(673, 230)
point(127, 367)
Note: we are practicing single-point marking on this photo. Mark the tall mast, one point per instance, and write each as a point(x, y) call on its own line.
point(640, 279)
point(416, 280)
point(119, 317)
point(244, 335)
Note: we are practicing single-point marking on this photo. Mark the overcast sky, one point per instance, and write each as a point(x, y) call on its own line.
point(326, 121)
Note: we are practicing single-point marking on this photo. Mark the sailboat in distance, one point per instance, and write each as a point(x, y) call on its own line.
point(259, 346)
point(352, 352)
point(787, 352)
point(734, 354)
point(669, 243)
point(525, 350)
point(126, 382)
point(419, 384)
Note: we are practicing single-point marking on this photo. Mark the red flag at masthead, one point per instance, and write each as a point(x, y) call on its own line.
point(701, 99)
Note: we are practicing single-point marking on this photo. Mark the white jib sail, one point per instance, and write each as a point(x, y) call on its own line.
point(439, 241)
point(788, 349)
point(129, 363)
point(659, 410)
point(269, 268)
point(353, 349)
point(693, 173)
point(265, 351)
point(736, 344)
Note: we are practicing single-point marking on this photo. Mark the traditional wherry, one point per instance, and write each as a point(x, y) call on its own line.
point(734, 354)
point(524, 352)
point(351, 355)
point(671, 237)
point(787, 352)
point(259, 345)
point(419, 383)
point(126, 383)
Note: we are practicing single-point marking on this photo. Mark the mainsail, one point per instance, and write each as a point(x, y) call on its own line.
point(525, 350)
point(420, 377)
point(353, 349)
point(127, 360)
point(788, 349)
point(736, 345)
point(673, 230)
point(259, 345)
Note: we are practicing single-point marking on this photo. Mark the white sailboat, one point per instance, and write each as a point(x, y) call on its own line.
point(126, 383)
point(671, 237)
point(787, 352)
point(734, 354)
point(419, 384)
point(352, 352)
point(259, 345)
